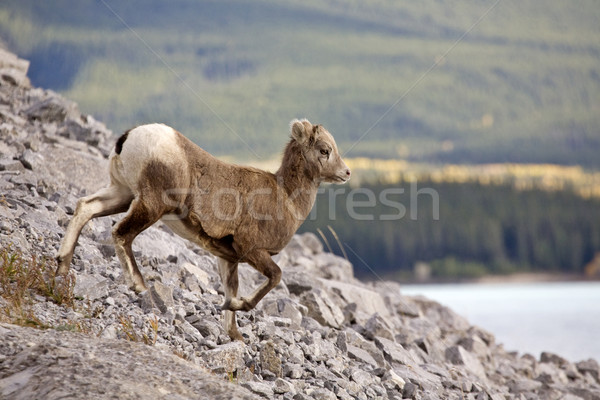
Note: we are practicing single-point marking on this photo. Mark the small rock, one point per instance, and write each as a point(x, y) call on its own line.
point(269, 360)
point(312, 242)
point(377, 326)
point(190, 333)
point(409, 391)
point(298, 282)
point(294, 371)
point(90, 287)
point(207, 327)
point(394, 352)
point(589, 366)
point(259, 388)
point(458, 355)
point(547, 357)
point(361, 355)
point(392, 381)
point(322, 308)
point(323, 394)
point(30, 159)
point(407, 308)
point(281, 386)
point(524, 385)
point(162, 295)
point(226, 358)
point(11, 165)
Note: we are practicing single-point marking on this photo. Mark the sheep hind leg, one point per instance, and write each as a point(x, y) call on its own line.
point(139, 218)
point(263, 263)
point(107, 201)
point(229, 276)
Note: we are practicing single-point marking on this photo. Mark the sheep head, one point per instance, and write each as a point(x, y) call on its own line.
point(320, 152)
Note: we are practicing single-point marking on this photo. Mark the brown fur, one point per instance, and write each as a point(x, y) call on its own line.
point(240, 214)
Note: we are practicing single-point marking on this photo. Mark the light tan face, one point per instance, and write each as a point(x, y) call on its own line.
point(321, 151)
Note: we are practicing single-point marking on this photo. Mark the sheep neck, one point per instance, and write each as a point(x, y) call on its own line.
point(298, 177)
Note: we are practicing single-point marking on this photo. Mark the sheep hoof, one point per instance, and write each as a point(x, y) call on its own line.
point(63, 265)
point(234, 334)
point(139, 287)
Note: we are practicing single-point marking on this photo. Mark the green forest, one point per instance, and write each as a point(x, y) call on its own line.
point(460, 82)
point(462, 230)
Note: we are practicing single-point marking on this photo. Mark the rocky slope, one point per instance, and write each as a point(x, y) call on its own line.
point(320, 334)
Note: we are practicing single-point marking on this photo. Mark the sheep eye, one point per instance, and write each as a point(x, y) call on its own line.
point(325, 152)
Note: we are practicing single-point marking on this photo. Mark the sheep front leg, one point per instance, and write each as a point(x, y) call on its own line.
point(107, 201)
point(229, 276)
point(261, 261)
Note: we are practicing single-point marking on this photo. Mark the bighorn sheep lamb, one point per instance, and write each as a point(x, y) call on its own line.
point(240, 214)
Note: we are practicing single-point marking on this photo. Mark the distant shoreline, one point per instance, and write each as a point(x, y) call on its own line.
point(522, 277)
point(526, 277)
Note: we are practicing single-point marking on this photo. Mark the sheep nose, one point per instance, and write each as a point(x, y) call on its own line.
point(348, 173)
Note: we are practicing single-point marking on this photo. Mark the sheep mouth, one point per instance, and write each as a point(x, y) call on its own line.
point(341, 179)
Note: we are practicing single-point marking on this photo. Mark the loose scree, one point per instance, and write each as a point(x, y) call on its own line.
point(240, 214)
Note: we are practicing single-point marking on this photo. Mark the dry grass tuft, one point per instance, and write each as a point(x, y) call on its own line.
point(22, 279)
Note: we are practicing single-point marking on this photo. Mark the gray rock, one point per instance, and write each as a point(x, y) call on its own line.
point(356, 340)
point(586, 393)
point(323, 394)
point(363, 356)
point(162, 296)
point(361, 377)
point(206, 326)
point(226, 358)
point(31, 160)
point(367, 301)
point(376, 326)
point(547, 357)
point(393, 381)
point(285, 308)
point(341, 342)
point(293, 371)
point(310, 241)
point(394, 352)
point(330, 266)
point(550, 374)
point(50, 364)
point(14, 73)
point(524, 385)
point(407, 308)
point(475, 345)
point(90, 287)
point(200, 274)
point(269, 360)
point(322, 308)
point(409, 391)
point(281, 386)
point(11, 165)
point(259, 388)
point(190, 333)
point(458, 355)
point(298, 282)
point(589, 366)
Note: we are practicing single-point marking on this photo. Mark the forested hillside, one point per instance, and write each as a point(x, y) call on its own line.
point(515, 80)
point(463, 230)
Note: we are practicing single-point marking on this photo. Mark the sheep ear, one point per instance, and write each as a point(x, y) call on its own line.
point(302, 131)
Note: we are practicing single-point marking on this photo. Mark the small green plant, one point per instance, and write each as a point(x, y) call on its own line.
point(21, 279)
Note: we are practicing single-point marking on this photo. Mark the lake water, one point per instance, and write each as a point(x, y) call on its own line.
point(563, 318)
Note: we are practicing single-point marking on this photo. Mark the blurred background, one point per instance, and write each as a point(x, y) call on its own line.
point(485, 114)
